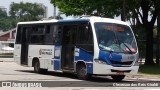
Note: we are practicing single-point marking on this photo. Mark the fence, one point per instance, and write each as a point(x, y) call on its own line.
point(6, 49)
point(6, 54)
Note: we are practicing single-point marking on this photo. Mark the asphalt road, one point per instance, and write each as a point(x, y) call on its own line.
point(12, 72)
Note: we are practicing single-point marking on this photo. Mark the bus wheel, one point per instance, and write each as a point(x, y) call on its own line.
point(37, 67)
point(118, 77)
point(82, 72)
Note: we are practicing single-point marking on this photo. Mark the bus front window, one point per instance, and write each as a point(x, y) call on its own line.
point(115, 37)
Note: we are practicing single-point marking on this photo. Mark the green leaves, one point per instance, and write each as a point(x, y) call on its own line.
point(4, 21)
point(26, 11)
point(3, 14)
point(104, 8)
point(20, 12)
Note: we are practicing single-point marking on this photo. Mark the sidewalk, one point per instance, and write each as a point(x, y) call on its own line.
point(144, 77)
point(6, 59)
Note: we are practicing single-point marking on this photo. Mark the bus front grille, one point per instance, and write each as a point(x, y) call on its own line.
point(121, 63)
point(126, 71)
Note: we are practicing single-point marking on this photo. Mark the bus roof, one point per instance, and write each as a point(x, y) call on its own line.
point(35, 22)
point(91, 19)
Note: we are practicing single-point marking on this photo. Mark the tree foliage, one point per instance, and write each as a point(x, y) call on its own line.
point(141, 12)
point(4, 20)
point(20, 12)
point(88, 7)
point(26, 11)
point(3, 14)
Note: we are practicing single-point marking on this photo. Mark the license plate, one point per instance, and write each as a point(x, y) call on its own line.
point(120, 73)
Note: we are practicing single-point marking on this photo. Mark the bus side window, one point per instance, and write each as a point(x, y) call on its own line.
point(84, 38)
point(23, 34)
point(48, 29)
point(57, 33)
point(38, 34)
point(19, 34)
point(48, 34)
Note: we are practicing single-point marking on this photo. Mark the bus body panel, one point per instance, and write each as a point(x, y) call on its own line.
point(57, 58)
point(104, 69)
point(17, 53)
point(45, 53)
point(81, 55)
point(122, 65)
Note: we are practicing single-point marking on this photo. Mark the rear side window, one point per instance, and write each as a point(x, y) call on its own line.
point(18, 35)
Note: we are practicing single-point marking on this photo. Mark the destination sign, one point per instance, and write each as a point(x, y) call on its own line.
point(116, 28)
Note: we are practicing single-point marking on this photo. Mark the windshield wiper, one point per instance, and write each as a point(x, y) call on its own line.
point(119, 41)
point(131, 52)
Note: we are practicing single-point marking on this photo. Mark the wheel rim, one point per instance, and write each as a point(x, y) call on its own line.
point(82, 72)
point(36, 66)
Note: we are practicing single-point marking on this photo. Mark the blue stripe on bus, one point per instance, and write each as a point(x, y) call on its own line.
point(89, 68)
point(57, 48)
point(116, 57)
point(84, 56)
point(56, 64)
point(106, 56)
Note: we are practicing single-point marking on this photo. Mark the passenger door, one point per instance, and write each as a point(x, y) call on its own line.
point(24, 44)
point(68, 46)
point(17, 46)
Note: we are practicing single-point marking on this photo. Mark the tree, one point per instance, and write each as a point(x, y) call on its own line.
point(143, 9)
point(157, 39)
point(20, 12)
point(26, 11)
point(88, 7)
point(138, 10)
point(3, 14)
point(145, 13)
point(4, 22)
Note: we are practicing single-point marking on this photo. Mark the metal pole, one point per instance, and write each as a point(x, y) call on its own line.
point(123, 18)
point(54, 13)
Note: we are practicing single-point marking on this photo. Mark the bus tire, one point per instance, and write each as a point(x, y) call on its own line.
point(82, 72)
point(118, 77)
point(37, 67)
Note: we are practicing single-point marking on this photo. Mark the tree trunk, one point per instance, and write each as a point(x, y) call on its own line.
point(149, 45)
point(157, 47)
point(158, 38)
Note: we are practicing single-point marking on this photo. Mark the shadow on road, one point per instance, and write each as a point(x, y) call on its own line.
point(73, 76)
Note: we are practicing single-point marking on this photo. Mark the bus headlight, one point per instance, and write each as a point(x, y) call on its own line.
point(100, 61)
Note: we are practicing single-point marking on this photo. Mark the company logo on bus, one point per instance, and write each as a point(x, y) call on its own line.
point(45, 52)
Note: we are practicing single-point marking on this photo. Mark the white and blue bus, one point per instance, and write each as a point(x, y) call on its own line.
point(85, 46)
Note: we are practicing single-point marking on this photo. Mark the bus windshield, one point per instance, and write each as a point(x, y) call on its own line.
point(115, 38)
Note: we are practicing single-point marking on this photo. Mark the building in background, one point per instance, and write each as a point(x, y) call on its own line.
point(3, 8)
point(7, 41)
